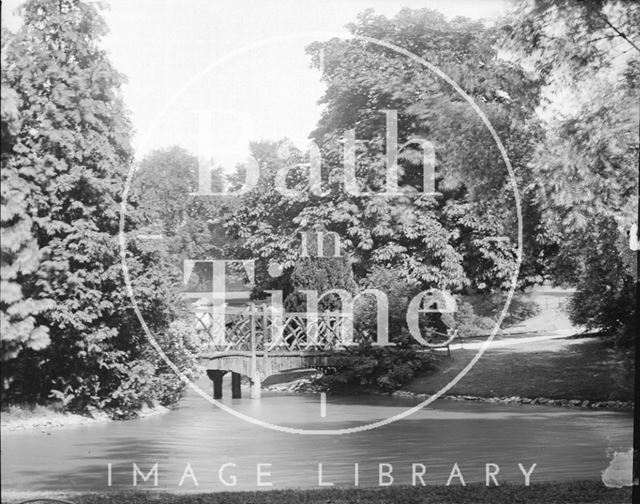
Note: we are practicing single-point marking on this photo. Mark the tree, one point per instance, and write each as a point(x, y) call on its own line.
point(477, 207)
point(605, 297)
point(262, 224)
point(590, 70)
point(462, 241)
point(320, 274)
point(20, 255)
point(587, 56)
point(164, 183)
point(72, 150)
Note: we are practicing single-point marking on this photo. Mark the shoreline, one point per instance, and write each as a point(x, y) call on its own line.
point(537, 401)
point(28, 419)
point(305, 386)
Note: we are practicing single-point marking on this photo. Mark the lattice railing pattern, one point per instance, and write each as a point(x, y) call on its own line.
point(232, 331)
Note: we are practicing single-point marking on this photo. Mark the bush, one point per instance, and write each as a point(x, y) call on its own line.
point(470, 324)
point(136, 382)
point(182, 346)
point(366, 367)
point(605, 298)
point(399, 293)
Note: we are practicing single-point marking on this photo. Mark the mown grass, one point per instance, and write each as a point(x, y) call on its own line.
point(540, 493)
point(587, 370)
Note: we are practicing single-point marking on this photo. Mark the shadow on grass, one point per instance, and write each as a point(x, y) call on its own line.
point(586, 370)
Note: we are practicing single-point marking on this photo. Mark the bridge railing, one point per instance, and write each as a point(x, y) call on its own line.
point(236, 328)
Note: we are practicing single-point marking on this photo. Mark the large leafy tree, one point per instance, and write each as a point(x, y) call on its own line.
point(587, 56)
point(72, 151)
point(463, 240)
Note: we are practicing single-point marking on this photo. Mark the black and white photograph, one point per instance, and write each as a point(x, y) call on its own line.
point(319, 251)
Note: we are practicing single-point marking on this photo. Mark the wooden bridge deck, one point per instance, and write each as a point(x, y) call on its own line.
point(265, 364)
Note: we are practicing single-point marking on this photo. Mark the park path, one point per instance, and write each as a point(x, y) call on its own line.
point(528, 342)
point(549, 331)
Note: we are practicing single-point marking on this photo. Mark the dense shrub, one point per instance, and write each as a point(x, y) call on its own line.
point(182, 345)
point(399, 292)
point(144, 381)
point(469, 323)
point(605, 298)
point(366, 367)
point(476, 314)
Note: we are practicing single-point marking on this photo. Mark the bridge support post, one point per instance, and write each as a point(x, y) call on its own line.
point(215, 375)
point(256, 384)
point(236, 391)
point(256, 379)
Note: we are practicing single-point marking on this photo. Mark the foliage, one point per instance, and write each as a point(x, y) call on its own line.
point(399, 293)
point(469, 323)
point(522, 307)
point(72, 152)
point(320, 274)
point(587, 56)
point(182, 346)
point(463, 240)
point(20, 254)
point(476, 313)
point(605, 297)
point(261, 224)
point(163, 184)
point(367, 367)
point(149, 380)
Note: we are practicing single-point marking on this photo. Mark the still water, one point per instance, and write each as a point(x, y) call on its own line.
point(564, 444)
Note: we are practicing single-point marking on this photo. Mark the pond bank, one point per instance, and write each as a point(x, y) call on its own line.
point(306, 386)
point(43, 418)
point(568, 403)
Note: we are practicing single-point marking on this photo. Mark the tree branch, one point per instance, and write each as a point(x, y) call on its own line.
point(606, 37)
point(619, 32)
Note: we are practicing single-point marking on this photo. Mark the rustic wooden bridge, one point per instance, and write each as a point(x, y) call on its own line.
point(257, 342)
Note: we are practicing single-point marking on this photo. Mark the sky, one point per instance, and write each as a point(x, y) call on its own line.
point(210, 75)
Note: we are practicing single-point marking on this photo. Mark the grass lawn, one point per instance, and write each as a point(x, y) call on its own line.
point(586, 369)
point(542, 493)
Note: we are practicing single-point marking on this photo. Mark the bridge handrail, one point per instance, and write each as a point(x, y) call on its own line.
point(317, 314)
point(297, 330)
